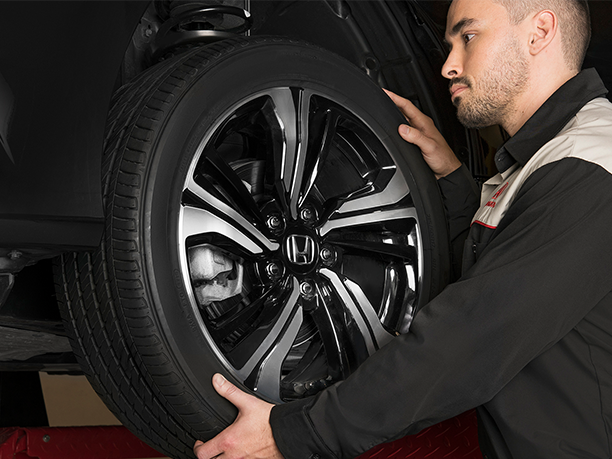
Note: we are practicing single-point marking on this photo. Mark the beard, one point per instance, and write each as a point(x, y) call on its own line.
point(490, 99)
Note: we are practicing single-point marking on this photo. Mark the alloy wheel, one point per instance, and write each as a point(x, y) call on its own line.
point(300, 242)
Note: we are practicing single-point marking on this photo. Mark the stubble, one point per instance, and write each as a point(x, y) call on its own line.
point(491, 99)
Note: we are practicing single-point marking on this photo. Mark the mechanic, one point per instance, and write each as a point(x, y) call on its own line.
point(525, 334)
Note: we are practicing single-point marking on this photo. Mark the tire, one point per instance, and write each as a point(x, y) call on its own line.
point(213, 262)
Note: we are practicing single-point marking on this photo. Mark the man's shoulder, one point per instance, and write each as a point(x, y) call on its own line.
point(595, 115)
point(590, 133)
point(587, 136)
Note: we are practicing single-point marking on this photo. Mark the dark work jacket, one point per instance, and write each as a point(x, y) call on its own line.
point(525, 335)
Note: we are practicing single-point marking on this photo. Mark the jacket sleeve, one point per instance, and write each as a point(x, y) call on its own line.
point(461, 198)
point(546, 267)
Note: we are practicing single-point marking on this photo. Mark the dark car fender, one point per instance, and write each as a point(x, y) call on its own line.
point(59, 66)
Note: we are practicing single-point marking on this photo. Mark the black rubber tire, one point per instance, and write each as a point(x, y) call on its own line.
point(125, 305)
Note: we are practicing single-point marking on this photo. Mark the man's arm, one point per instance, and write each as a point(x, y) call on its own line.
point(515, 303)
point(461, 198)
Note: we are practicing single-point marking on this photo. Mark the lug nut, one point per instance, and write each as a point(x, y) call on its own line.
point(274, 222)
point(307, 290)
point(328, 256)
point(273, 270)
point(308, 214)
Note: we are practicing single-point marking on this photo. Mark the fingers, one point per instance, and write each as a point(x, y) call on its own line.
point(436, 152)
point(427, 143)
point(423, 133)
point(197, 448)
point(230, 392)
point(416, 137)
point(215, 447)
point(208, 450)
point(249, 436)
point(406, 107)
point(413, 115)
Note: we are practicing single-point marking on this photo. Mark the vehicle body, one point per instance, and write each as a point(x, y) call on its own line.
point(59, 69)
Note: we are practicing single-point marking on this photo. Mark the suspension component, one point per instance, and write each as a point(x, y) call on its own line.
point(197, 23)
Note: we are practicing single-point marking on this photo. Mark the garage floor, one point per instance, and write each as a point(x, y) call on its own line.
point(71, 402)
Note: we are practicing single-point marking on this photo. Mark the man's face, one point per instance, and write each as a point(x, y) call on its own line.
point(487, 67)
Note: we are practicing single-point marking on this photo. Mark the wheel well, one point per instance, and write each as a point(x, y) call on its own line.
point(168, 28)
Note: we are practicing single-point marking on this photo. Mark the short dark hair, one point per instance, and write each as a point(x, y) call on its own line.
point(574, 23)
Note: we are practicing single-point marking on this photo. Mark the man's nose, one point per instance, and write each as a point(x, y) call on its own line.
point(452, 68)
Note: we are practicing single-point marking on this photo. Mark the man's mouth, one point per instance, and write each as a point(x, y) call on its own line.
point(456, 90)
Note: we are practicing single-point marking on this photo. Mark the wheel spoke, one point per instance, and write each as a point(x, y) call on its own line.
point(367, 215)
point(405, 252)
point(271, 345)
point(323, 130)
point(242, 320)
point(394, 191)
point(397, 305)
point(269, 375)
point(231, 183)
point(362, 311)
point(291, 107)
point(224, 221)
point(332, 329)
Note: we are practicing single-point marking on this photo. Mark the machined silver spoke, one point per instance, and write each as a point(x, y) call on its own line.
point(371, 207)
point(226, 222)
point(268, 357)
point(360, 308)
point(291, 107)
point(331, 328)
point(394, 191)
point(269, 374)
point(367, 216)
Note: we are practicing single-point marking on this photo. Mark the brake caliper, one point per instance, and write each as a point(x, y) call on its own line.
point(215, 277)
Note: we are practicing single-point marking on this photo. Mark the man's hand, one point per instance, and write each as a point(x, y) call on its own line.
point(424, 134)
point(249, 437)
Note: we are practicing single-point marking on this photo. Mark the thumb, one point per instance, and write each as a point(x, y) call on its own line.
point(230, 392)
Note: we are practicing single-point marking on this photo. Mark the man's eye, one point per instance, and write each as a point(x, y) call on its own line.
point(468, 37)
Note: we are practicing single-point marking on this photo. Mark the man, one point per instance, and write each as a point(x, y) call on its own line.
point(525, 334)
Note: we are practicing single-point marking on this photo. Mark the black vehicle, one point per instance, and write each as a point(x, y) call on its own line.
point(218, 186)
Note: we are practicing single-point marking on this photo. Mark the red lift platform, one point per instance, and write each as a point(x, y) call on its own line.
point(456, 438)
point(112, 442)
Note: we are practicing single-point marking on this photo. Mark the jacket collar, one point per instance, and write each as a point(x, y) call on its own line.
point(550, 118)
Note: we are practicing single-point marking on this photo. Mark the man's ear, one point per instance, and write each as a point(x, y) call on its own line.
point(544, 26)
